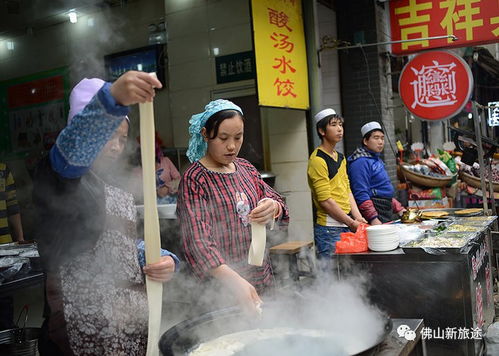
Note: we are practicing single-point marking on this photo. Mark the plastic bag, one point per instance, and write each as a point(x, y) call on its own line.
point(351, 242)
point(426, 194)
point(450, 162)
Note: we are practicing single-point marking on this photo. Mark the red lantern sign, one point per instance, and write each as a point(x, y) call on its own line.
point(435, 85)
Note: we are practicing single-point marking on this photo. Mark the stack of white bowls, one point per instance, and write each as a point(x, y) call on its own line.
point(382, 237)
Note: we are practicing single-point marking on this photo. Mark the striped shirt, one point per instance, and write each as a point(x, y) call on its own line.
point(212, 208)
point(8, 202)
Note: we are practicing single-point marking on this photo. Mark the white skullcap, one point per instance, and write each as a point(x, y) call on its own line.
point(373, 125)
point(324, 113)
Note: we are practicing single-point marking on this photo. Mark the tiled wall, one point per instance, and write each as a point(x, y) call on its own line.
point(195, 28)
point(287, 132)
point(82, 48)
point(329, 66)
point(225, 24)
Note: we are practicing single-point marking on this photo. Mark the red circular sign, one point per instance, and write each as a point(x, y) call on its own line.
point(435, 85)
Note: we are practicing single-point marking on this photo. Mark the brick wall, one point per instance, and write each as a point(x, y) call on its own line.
point(364, 21)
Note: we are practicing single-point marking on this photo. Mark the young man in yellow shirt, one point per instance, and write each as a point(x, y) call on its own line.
point(337, 211)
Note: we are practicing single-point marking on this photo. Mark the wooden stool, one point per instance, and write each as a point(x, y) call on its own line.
point(292, 249)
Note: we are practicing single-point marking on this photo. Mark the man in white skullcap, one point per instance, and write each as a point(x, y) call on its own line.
point(370, 183)
point(337, 211)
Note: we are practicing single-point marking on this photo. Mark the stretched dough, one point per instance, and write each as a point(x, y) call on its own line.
point(151, 224)
point(257, 247)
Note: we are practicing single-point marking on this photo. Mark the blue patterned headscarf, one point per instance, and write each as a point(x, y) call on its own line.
point(197, 145)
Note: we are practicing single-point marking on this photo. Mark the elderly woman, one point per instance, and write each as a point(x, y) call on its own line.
point(95, 291)
point(219, 195)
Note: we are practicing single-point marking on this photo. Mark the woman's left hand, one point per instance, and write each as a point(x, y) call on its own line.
point(264, 212)
point(161, 271)
point(162, 191)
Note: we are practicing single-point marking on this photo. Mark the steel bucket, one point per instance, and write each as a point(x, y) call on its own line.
point(20, 341)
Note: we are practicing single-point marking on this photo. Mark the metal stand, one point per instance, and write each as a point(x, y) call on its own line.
point(478, 134)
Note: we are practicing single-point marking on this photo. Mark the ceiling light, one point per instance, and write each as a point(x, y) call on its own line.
point(73, 18)
point(216, 51)
point(10, 45)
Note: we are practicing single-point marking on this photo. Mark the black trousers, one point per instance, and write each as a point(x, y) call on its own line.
point(384, 208)
point(47, 347)
point(6, 313)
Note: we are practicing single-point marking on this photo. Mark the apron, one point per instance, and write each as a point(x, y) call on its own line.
point(384, 208)
point(104, 302)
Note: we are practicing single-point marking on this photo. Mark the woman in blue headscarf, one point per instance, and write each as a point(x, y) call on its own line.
point(219, 195)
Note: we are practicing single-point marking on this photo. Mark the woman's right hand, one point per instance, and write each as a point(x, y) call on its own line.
point(245, 293)
point(247, 296)
point(134, 87)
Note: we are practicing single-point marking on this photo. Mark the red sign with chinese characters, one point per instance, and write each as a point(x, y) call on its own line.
point(471, 21)
point(435, 85)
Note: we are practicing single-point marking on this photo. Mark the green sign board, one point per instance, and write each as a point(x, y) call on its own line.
point(235, 67)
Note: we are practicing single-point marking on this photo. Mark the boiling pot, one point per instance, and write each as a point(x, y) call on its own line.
point(184, 337)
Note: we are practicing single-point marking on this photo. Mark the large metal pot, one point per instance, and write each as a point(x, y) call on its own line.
point(187, 335)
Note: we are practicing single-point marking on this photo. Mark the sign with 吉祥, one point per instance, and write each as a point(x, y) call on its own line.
point(471, 21)
point(281, 61)
point(435, 85)
point(235, 67)
point(493, 113)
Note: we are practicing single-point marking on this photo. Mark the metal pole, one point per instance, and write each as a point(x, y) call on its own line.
point(454, 38)
point(491, 189)
point(478, 134)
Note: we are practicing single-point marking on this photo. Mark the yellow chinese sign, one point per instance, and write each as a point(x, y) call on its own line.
point(472, 21)
point(281, 61)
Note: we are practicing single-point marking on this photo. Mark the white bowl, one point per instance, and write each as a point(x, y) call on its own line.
point(383, 247)
point(377, 229)
point(165, 211)
point(380, 230)
point(387, 243)
point(383, 238)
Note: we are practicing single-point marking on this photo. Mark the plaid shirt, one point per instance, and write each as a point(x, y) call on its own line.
point(212, 222)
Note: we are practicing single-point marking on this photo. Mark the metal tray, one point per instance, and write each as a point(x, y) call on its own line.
point(438, 250)
point(452, 213)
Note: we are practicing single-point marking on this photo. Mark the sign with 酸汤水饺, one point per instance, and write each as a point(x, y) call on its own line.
point(471, 21)
point(281, 60)
point(235, 67)
point(435, 85)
